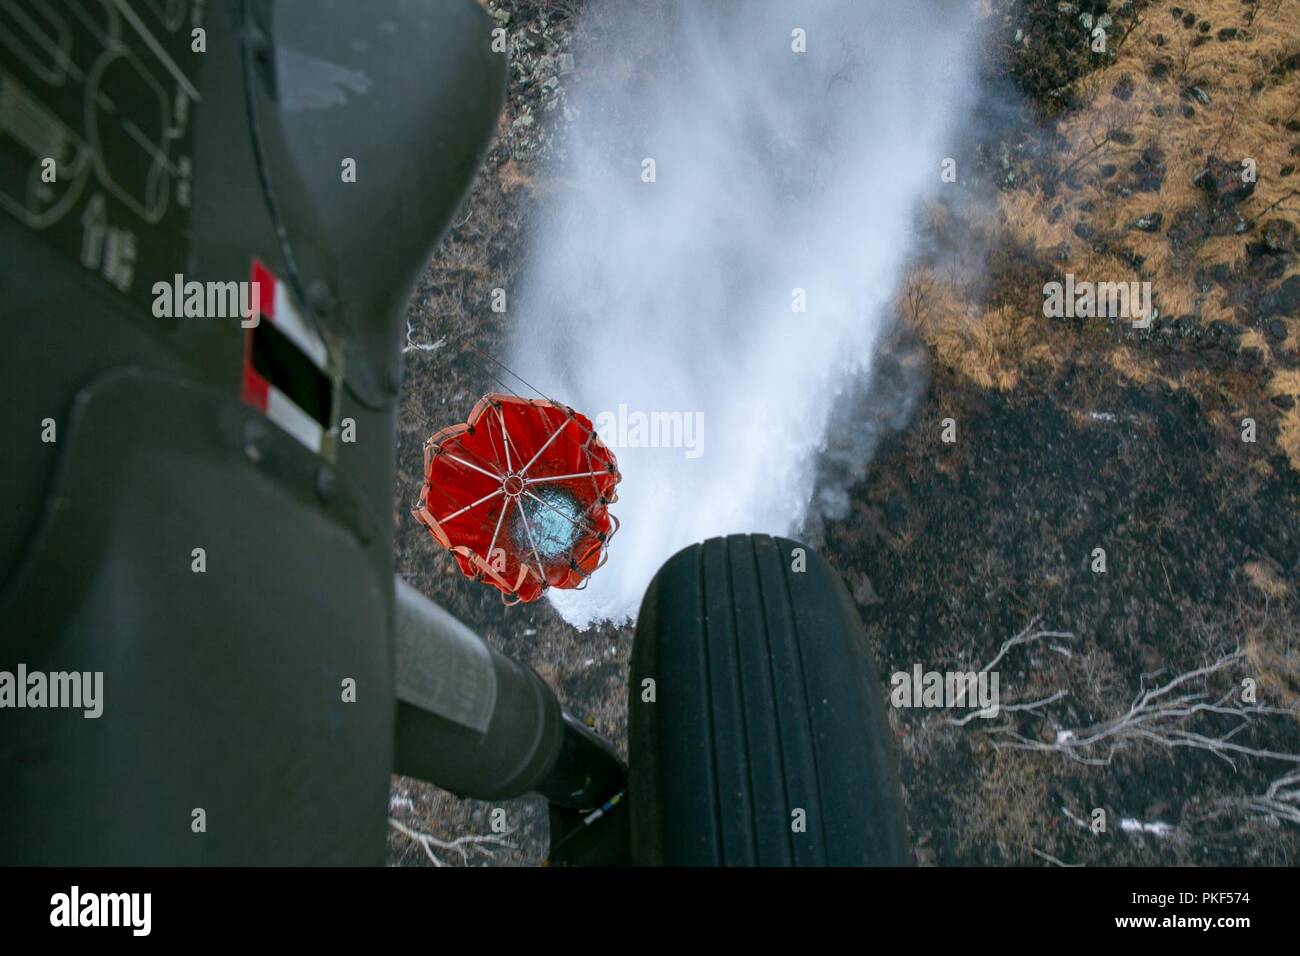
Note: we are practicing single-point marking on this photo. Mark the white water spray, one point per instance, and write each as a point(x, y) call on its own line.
point(776, 180)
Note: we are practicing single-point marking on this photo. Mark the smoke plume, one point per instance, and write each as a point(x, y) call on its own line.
point(733, 208)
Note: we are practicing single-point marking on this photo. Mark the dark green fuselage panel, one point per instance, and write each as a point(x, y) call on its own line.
point(232, 583)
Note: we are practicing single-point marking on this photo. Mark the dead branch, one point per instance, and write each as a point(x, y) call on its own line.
point(1097, 145)
point(1161, 716)
point(413, 346)
point(1051, 859)
point(462, 845)
point(1279, 803)
point(1027, 636)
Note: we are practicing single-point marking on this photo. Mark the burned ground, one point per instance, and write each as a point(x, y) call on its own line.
point(1070, 435)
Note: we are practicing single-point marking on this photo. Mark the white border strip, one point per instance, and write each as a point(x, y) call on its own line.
point(286, 318)
point(281, 409)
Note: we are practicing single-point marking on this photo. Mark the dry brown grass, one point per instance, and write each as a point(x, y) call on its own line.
point(1273, 654)
point(988, 345)
point(1129, 365)
point(1251, 101)
point(1238, 123)
point(1252, 338)
point(513, 176)
point(1266, 579)
point(1011, 807)
point(1287, 382)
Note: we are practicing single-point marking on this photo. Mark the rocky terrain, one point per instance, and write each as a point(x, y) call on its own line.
point(1166, 156)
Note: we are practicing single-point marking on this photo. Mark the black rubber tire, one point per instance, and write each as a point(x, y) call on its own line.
point(766, 701)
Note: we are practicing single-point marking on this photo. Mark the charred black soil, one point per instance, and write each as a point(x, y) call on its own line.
point(964, 544)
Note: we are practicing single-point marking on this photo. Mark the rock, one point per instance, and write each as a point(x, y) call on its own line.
point(1277, 329)
point(565, 63)
point(1221, 181)
point(1149, 170)
point(1263, 268)
point(1198, 94)
point(1217, 274)
point(1279, 236)
point(1220, 329)
point(1284, 300)
point(1148, 223)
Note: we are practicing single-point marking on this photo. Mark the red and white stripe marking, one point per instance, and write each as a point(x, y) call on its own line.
point(275, 305)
